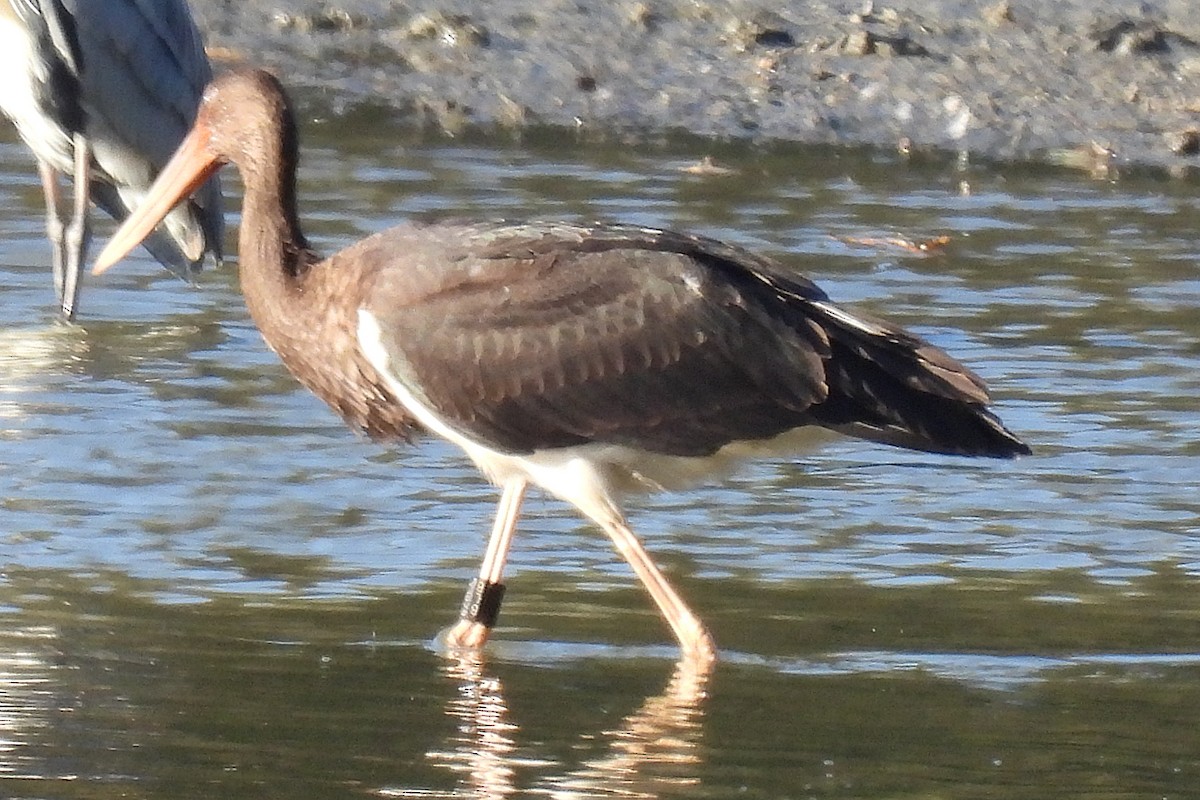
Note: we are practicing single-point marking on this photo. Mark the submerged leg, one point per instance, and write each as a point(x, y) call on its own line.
point(481, 606)
point(694, 639)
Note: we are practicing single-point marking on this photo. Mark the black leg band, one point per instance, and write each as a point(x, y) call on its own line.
point(482, 603)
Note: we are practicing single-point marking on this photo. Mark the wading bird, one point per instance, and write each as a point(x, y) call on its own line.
point(104, 91)
point(589, 360)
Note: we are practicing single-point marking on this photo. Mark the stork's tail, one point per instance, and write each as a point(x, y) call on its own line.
point(887, 385)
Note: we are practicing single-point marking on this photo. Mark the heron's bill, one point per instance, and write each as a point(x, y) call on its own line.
point(188, 169)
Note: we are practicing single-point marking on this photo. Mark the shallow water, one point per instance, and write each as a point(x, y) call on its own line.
point(211, 589)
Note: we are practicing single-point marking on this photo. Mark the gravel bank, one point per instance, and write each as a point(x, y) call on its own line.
point(1073, 80)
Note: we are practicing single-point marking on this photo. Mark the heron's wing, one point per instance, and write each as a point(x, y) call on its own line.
point(175, 27)
point(144, 69)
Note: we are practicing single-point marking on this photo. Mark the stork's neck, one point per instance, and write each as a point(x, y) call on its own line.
point(306, 309)
point(274, 257)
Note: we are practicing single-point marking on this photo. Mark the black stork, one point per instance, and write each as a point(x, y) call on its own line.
point(589, 360)
point(104, 91)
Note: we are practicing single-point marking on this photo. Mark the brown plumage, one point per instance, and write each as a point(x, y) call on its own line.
point(587, 359)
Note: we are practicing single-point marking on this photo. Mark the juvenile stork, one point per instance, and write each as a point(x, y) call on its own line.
point(589, 360)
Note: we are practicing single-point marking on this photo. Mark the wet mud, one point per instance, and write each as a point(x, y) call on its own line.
point(1083, 83)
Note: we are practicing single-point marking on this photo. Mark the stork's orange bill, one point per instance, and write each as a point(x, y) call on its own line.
point(190, 167)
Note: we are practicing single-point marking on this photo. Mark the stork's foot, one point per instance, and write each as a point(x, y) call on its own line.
point(480, 608)
point(697, 643)
point(465, 635)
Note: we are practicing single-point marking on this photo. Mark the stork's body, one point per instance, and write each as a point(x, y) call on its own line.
point(588, 360)
point(103, 91)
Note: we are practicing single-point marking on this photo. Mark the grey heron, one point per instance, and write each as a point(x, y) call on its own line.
point(103, 91)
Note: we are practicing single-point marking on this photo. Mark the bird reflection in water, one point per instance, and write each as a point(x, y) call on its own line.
point(654, 750)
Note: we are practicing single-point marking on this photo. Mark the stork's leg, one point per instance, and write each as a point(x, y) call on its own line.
point(695, 640)
point(481, 606)
point(78, 230)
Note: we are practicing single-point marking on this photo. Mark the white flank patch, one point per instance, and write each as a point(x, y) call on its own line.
point(564, 472)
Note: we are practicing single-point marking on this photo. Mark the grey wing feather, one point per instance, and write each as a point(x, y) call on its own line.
point(144, 70)
point(141, 71)
point(172, 21)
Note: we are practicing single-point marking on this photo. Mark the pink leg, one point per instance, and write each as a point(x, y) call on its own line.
point(54, 222)
point(694, 639)
point(482, 603)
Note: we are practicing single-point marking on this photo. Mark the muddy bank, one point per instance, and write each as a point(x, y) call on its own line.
point(999, 79)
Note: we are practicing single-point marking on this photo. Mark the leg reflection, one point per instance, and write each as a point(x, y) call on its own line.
point(653, 751)
point(482, 748)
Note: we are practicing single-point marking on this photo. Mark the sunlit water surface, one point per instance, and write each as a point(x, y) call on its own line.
point(212, 589)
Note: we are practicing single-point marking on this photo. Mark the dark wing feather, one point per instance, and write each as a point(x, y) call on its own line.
point(891, 386)
point(536, 337)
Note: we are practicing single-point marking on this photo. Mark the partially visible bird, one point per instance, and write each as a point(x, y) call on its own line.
point(589, 360)
point(103, 91)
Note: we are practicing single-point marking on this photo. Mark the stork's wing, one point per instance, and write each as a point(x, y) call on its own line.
point(528, 337)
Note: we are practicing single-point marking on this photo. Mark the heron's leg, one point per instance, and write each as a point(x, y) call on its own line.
point(695, 640)
point(78, 231)
point(481, 605)
point(54, 222)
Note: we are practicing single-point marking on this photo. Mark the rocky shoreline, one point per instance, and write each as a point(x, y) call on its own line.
point(1068, 81)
